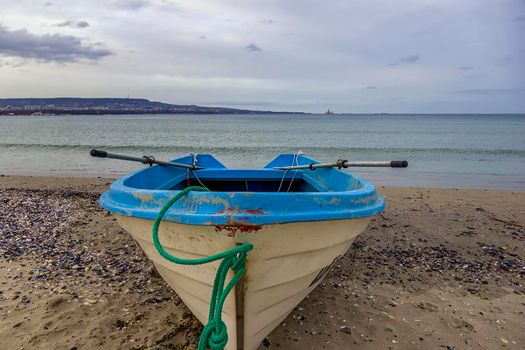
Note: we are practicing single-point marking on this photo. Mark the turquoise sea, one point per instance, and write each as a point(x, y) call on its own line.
point(451, 151)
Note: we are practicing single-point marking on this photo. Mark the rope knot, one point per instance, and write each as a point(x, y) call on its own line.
point(214, 334)
point(238, 261)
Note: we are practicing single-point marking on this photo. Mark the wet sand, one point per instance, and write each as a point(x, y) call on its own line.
point(439, 269)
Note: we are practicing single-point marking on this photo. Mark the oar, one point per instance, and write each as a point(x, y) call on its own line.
point(144, 160)
point(345, 164)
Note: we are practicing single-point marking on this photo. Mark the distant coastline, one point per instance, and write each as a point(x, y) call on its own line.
point(101, 106)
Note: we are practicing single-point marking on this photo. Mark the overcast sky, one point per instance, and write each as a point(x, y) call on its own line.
point(350, 56)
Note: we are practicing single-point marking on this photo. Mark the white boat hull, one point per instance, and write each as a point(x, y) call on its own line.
point(287, 262)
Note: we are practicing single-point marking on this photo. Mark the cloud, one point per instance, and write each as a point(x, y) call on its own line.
point(47, 47)
point(73, 24)
point(267, 21)
point(13, 63)
point(504, 61)
point(408, 59)
point(132, 5)
point(488, 91)
point(466, 68)
point(520, 18)
point(371, 88)
point(253, 48)
point(317, 52)
point(49, 3)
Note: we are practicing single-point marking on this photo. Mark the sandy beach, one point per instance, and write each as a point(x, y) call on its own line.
point(439, 269)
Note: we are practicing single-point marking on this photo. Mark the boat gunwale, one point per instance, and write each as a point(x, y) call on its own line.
point(225, 207)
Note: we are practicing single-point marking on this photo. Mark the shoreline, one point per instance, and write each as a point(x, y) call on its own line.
point(16, 180)
point(439, 268)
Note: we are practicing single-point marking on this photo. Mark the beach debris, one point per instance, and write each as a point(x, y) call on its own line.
point(266, 342)
point(82, 257)
point(77, 254)
point(47, 225)
point(427, 306)
point(345, 329)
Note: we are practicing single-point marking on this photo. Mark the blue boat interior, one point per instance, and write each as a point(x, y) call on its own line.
point(217, 178)
point(248, 185)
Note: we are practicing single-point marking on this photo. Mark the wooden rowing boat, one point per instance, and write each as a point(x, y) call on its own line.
point(298, 221)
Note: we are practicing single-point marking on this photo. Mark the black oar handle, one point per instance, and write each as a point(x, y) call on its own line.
point(144, 160)
point(398, 164)
point(341, 163)
point(98, 153)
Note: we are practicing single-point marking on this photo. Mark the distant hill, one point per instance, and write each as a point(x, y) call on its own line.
point(76, 105)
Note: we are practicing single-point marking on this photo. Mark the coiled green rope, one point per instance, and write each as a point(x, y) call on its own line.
point(215, 333)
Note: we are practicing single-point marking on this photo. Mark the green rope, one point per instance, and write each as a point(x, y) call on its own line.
point(215, 333)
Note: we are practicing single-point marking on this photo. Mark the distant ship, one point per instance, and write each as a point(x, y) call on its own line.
point(329, 111)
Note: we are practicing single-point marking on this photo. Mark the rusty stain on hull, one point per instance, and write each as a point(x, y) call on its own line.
point(233, 229)
point(255, 211)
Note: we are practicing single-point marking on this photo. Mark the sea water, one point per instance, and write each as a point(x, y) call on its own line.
point(450, 151)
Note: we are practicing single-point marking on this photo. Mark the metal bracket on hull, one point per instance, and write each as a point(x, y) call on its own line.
point(239, 312)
